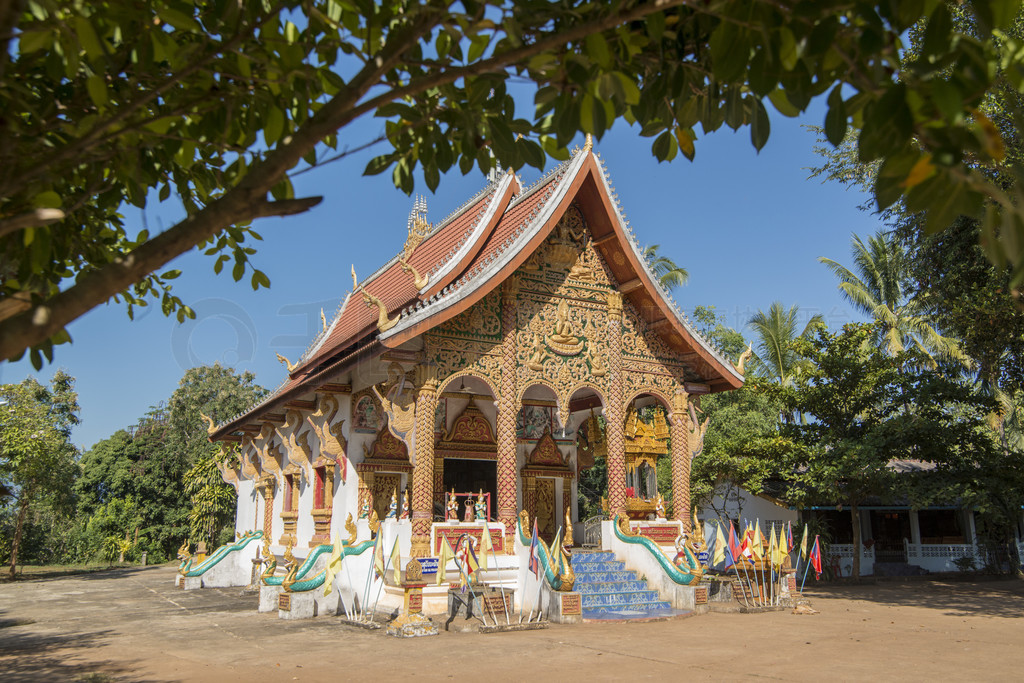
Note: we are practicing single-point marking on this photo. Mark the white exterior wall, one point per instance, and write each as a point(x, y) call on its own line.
point(734, 502)
point(249, 504)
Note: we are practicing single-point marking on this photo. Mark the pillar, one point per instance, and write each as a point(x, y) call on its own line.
point(530, 498)
point(614, 410)
point(508, 407)
point(680, 433)
point(423, 470)
point(267, 490)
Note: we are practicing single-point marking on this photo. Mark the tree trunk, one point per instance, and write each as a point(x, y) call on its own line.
point(22, 513)
point(855, 523)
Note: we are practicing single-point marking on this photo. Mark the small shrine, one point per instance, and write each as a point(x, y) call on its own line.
point(505, 350)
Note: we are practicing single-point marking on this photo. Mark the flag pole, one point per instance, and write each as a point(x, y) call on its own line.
point(738, 579)
point(383, 580)
point(469, 580)
point(494, 554)
point(349, 609)
point(368, 583)
point(808, 565)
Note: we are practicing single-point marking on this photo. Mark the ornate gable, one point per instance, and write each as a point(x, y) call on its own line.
point(471, 433)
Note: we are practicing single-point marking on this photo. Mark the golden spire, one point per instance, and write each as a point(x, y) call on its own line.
point(355, 282)
point(323, 318)
point(588, 144)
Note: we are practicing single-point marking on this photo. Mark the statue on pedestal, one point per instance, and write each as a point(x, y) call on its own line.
point(452, 508)
point(481, 507)
point(469, 515)
point(406, 507)
point(392, 507)
point(659, 509)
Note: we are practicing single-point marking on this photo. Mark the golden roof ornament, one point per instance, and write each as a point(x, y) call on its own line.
point(588, 143)
point(287, 363)
point(418, 226)
point(744, 357)
point(323, 318)
point(383, 322)
point(211, 426)
point(355, 281)
point(374, 521)
point(350, 527)
point(419, 281)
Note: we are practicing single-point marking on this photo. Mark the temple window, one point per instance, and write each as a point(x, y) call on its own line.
point(320, 476)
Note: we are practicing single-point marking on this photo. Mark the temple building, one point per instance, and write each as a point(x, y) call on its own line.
point(477, 374)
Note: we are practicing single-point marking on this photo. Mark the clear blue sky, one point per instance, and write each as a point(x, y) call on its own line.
point(749, 228)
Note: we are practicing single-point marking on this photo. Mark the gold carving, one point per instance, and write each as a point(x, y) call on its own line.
point(568, 540)
point(291, 566)
point(299, 450)
point(413, 571)
point(332, 441)
point(287, 363)
point(563, 341)
point(615, 304)
point(524, 520)
point(323, 319)
point(355, 282)
point(744, 357)
point(374, 521)
point(211, 427)
point(383, 322)
point(418, 281)
point(624, 527)
point(418, 226)
point(537, 354)
point(350, 527)
point(588, 143)
point(398, 402)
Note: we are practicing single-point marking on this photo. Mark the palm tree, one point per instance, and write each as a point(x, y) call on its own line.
point(668, 273)
point(879, 288)
point(775, 333)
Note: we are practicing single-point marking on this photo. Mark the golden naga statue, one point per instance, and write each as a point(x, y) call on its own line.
point(383, 322)
point(350, 527)
point(418, 281)
point(287, 363)
point(211, 426)
point(744, 357)
point(291, 566)
point(568, 540)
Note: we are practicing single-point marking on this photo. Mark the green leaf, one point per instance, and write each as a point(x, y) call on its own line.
point(782, 104)
point(378, 165)
point(274, 126)
point(596, 47)
point(33, 41)
point(836, 119)
point(47, 200)
point(97, 89)
point(178, 20)
point(87, 37)
point(238, 271)
point(788, 54)
point(729, 51)
point(665, 147)
point(760, 127)
point(685, 138)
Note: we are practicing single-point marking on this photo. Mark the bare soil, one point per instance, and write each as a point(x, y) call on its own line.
point(133, 625)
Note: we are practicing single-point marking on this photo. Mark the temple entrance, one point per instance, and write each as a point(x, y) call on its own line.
point(466, 476)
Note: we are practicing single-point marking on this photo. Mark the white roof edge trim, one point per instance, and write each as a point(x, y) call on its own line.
point(643, 264)
point(325, 335)
point(485, 276)
point(482, 222)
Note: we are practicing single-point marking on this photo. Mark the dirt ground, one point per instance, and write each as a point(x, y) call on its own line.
point(132, 625)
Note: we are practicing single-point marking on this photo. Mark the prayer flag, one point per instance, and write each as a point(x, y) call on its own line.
point(378, 557)
point(485, 546)
point(396, 563)
point(772, 546)
point(789, 538)
point(757, 542)
point(719, 546)
point(816, 559)
point(780, 550)
point(447, 555)
point(734, 543)
point(803, 544)
point(534, 553)
point(555, 554)
point(333, 564)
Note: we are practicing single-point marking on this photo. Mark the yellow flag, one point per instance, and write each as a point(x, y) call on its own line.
point(782, 548)
point(378, 557)
point(719, 545)
point(771, 544)
point(447, 554)
point(396, 563)
point(758, 541)
point(803, 544)
point(333, 565)
point(485, 546)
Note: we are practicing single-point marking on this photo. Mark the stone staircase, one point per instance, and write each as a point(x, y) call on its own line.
point(611, 592)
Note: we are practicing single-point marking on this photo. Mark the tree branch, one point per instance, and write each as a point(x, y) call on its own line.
point(30, 219)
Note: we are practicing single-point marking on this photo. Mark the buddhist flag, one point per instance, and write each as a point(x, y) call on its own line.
point(772, 547)
point(816, 559)
point(396, 563)
point(734, 543)
point(447, 555)
point(333, 565)
point(780, 550)
point(378, 557)
point(485, 546)
point(534, 565)
point(719, 546)
point(789, 537)
point(803, 544)
point(757, 542)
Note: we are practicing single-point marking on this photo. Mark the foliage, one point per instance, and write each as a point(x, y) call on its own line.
point(37, 459)
point(712, 325)
point(878, 286)
point(213, 501)
point(151, 462)
point(868, 411)
point(775, 354)
point(668, 273)
point(218, 102)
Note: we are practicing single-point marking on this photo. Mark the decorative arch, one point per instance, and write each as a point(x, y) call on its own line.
point(469, 373)
point(536, 382)
point(657, 393)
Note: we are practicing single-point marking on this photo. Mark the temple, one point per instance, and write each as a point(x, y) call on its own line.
point(476, 375)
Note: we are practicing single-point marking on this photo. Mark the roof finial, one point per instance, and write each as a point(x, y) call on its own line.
point(418, 226)
point(588, 144)
point(355, 282)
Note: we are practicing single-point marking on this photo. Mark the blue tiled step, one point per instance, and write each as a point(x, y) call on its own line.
point(628, 607)
point(605, 566)
point(587, 587)
point(641, 597)
point(605, 577)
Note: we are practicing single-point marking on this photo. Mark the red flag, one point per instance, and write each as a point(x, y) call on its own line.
point(734, 543)
point(816, 558)
point(789, 538)
point(534, 554)
point(746, 548)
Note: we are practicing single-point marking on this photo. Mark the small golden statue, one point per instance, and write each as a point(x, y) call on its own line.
point(564, 342)
point(452, 508)
point(537, 354)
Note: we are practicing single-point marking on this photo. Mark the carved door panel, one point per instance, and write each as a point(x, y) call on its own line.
point(384, 485)
point(546, 517)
